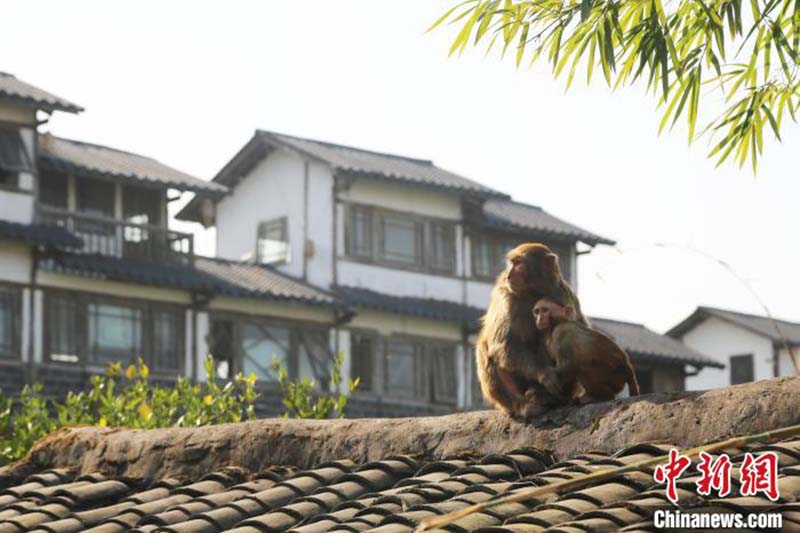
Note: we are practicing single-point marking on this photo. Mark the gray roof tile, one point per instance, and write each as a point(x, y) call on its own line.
point(642, 343)
point(510, 215)
point(358, 161)
point(97, 160)
point(13, 88)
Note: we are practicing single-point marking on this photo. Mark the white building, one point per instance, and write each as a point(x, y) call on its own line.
point(746, 347)
point(323, 249)
point(412, 248)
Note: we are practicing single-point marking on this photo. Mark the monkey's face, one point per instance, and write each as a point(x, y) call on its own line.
point(548, 314)
point(532, 268)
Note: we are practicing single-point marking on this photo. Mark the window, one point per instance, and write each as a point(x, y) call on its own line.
point(114, 334)
point(221, 346)
point(251, 345)
point(644, 376)
point(261, 345)
point(63, 329)
point(444, 376)
point(53, 189)
point(141, 206)
point(166, 328)
point(742, 368)
point(402, 369)
point(272, 243)
point(14, 156)
point(421, 369)
point(314, 356)
point(101, 330)
point(443, 247)
point(401, 240)
point(95, 197)
point(10, 311)
point(362, 365)
point(359, 232)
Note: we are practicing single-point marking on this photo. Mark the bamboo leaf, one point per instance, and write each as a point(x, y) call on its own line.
point(447, 14)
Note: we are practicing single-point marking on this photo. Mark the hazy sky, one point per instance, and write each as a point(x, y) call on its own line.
point(189, 82)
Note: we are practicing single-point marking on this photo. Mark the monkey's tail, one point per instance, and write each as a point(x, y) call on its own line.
point(633, 385)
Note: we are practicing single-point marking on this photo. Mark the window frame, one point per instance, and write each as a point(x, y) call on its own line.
point(15, 295)
point(418, 262)
point(749, 358)
point(372, 382)
point(82, 300)
point(424, 229)
point(284, 227)
point(29, 155)
point(425, 379)
point(296, 328)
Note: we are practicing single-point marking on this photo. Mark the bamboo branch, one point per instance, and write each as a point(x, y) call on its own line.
point(601, 475)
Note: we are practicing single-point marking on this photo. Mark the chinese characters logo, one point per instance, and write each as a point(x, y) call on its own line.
point(758, 474)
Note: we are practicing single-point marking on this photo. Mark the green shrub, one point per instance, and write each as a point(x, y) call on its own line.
point(302, 399)
point(124, 399)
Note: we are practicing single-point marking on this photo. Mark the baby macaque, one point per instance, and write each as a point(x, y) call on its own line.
point(588, 365)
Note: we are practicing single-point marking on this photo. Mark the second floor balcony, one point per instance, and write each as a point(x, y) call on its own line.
point(122, 239)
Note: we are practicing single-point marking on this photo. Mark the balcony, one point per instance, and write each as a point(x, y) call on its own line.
point(121, 239)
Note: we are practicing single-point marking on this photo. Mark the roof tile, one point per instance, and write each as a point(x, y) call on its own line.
point(16, 89)
point(97, 160)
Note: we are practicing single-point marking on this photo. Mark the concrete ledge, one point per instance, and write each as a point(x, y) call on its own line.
point(684, 419)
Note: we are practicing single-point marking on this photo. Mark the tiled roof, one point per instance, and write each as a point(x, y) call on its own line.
point(758, 324)
point(13, 88)
point(358, 161)
point(388, 496)
point(42, 234)
point(97, 160)
point(209, 275)
point(407, 305)
point(510, 215)
point(644, 344)
point(248, 279)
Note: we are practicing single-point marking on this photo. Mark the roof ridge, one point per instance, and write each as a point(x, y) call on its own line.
point(747, 315)
point(349, 147)
point(96, 145)
point(7, 74)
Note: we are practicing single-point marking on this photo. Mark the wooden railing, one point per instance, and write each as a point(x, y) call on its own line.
point(117, 238)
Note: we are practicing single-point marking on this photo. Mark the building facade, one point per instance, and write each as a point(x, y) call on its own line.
point(322, 249)
point(746, 347)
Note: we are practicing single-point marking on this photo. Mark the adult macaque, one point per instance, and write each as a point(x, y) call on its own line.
point(511, 355)
point(589, 365)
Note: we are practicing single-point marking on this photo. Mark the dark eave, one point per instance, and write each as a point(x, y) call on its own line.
point(94, 160)
point(508, 215)
point(411, 306)
point(39, 234)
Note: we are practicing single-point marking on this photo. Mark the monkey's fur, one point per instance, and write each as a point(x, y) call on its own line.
point(589, 365)
point(510, 352)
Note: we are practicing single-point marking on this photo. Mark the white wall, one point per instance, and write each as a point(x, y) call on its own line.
point(319, 269)
point(271, 190)
point(720, 340)
point(787, 367)
point(420, 201)
point(16, 206)
point(15, 262)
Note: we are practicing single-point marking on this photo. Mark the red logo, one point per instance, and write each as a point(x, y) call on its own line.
point(759, 473)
